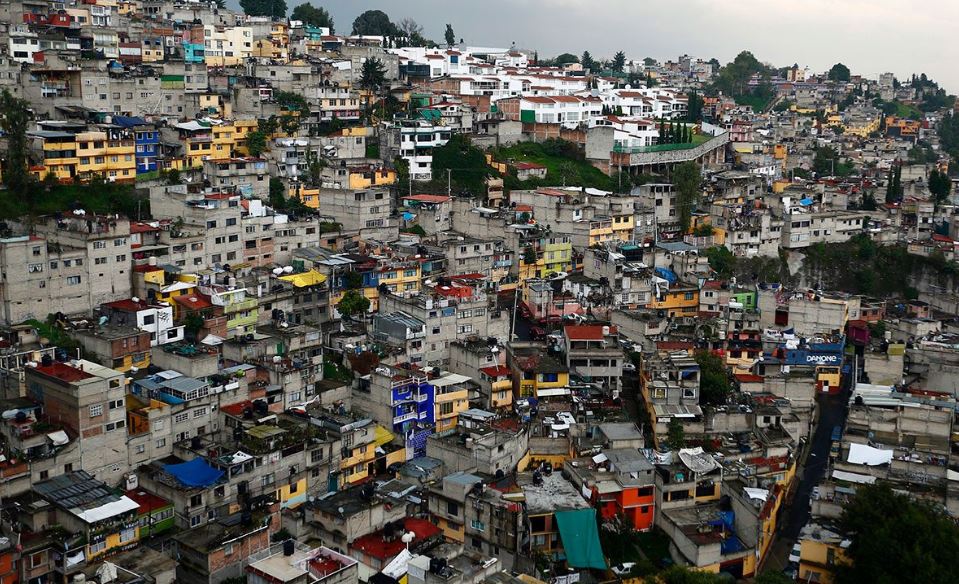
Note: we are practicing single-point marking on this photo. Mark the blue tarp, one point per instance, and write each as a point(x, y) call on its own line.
point(806, 202)
point(667, 274)
point(580, 538)
point(128, 121)
point(195, 473)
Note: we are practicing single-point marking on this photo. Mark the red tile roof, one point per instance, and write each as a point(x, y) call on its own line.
point(64, 372)
point(127, 305)
point(497, 371)
point(237, 408)
point(148, 501)
point(586, 332)
point(748, 378)
point(674, 345)
point(374, 546)
point(137, 227)
point(427, 198)
point(193, 301)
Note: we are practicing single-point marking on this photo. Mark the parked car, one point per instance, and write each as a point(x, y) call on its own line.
point(623, 568)
point(537, 333)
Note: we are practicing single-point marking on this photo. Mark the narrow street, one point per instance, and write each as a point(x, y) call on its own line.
point(832, 412)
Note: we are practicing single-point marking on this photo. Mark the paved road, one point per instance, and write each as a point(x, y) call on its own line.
point(832, 412)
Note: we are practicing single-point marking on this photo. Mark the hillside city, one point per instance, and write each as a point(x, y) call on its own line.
point(290, 301)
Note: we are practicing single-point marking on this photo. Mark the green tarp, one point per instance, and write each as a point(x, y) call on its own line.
point(580, 537)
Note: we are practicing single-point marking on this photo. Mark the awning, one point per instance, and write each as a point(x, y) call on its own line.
point(580, 536)
point(760, 494)
point(195, 473)
point(108, 510)
point(59, 438)
point(867, 455)
point(853, 477)
point(212, 340)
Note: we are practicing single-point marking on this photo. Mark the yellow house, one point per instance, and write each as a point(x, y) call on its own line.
point(820, 551)
point(680, 300)
point(401, 277)
point(356, 466)
point(59, 156)
point(269, 49)
point(367, 177)
point(452, 398)
point(309, 195)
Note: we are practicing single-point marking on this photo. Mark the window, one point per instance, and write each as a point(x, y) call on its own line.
point(44, 475)
point(122, 258)
point(97, 547)
point(477, 525)
point(99, 261)
point(115, 426)
point(195, 520)
point(96, 410)
point(196, 500)
point(149, 319)
point(211, 224)
point(141, 448)
point(118, 403)
point(231, 221)
point(181, 417)
point(99, 244)
point(199, 412)
point(452, 508)
point(161, 442)
point(119, 242)
point(53, 265)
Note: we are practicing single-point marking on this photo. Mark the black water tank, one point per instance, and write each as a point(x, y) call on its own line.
point(288, 547)
point(46, 360)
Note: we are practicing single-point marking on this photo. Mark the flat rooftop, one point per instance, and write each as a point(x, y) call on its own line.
point(554, 494)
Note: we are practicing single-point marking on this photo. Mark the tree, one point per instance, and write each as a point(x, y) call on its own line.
point(714, 386)
point(587, 61)
point(650, 80)
point(352, 303)
point(662, 131)
point(449, 36)
point(313, 16)
point(687, 181)
point(694, 110)
point(256, 143)
point(374, 22)
point(290, 125)
point(894, 185)
point(675, 434)
point(839, 72)
point(409, 27)
point(939, 185)
point(16, 117)
point(619, 62)
point(529, 256)
point(896, 538)
point(192, 324)
point(373, 74)
point(565, 59)
point(824, 160)
point(869, 202)
point(275, 9)
point(684, 575)
point(721, 260)
point(173, 177)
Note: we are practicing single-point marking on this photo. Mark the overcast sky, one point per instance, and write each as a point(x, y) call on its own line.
point(870, 36)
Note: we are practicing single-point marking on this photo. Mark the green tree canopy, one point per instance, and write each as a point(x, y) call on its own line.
point(16, 118)
point(675, 434)
point(587, 61)
point(353, 303)
point(839, 72)
point(374, 22)
point(721, 260)
point(896, 538)
point(449, 36)
point(275, 9)
point(313, 15)
point(694, 111)
point(373, 74)
point(619, 62)
point(714, 386)
point(256, 143)
point(939, 185)
point(565, 59)
point(687, 181)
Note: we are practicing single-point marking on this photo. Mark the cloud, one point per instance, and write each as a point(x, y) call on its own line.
point(870, 36)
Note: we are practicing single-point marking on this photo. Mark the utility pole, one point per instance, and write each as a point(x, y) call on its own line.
point(449, 182)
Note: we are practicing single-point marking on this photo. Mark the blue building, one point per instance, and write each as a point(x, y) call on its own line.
point(147, 140)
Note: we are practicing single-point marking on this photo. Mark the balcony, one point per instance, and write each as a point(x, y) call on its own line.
point(405, 417)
